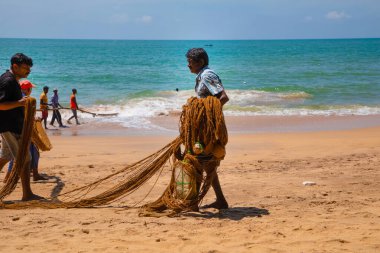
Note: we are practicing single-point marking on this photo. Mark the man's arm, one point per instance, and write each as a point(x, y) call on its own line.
point(11, 105)
point(43, 103)
point(214, 86)
point(223, 97)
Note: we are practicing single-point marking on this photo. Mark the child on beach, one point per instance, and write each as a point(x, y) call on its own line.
point(73, 106)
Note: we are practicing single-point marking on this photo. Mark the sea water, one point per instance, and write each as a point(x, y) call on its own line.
point(138, 79)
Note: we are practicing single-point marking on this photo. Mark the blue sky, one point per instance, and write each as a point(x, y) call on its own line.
point(195, 19)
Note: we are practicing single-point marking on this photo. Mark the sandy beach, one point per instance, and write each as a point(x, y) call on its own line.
point(262, 176)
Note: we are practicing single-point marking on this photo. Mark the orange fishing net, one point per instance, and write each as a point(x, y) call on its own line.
point(201, 124)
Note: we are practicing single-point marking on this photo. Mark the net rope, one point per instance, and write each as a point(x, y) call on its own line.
point(201, 121)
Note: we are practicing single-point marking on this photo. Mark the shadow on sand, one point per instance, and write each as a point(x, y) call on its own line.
point(59, 184)
point(232, 213)
point(57, 188)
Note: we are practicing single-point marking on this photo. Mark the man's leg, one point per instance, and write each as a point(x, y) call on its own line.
point(59, 118)
point(220, 202)
point(2, 163)
point(68, 121)
point(44, 115)
point(12, 141)
point(53, 118)
point(3, 154)
point(76, 116)
point(27, 193)
point(34, 163)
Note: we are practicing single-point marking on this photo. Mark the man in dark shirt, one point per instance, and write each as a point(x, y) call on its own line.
point(12, 117)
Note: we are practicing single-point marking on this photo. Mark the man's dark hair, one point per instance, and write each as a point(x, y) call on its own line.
point(46, 88)
point(21, 58)
point(74, 90)
point(198, 54)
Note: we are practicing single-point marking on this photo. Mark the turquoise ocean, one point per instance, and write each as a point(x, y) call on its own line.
point(138, 79)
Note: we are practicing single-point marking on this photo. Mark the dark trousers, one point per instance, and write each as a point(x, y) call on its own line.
point(56, 115)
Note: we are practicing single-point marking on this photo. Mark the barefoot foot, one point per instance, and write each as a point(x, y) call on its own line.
point(32, 197)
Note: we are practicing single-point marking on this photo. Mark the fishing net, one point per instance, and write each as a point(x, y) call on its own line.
point(40, 138)
point(201, 125)
point(21, 163)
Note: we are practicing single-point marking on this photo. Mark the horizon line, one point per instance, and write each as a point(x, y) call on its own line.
point(340, 38)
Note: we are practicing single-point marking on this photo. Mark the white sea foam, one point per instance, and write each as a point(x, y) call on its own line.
point(137, 112)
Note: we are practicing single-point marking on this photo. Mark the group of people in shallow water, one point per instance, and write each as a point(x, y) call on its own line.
point(54, 103)
point(12, 102)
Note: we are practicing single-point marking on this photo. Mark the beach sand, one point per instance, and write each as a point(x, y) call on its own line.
point(262, 177)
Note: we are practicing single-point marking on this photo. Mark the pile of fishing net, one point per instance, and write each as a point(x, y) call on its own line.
point(203, 136)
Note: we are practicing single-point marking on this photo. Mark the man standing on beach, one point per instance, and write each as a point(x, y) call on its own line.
point(208, 83)
point(73, 106)
point(26, 89)
point(44, 105)
point(55, 104)
point(12, 117)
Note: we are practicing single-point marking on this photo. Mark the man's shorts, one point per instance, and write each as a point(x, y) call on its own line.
point(74, 112)
point(44, 114)
point(10, 144)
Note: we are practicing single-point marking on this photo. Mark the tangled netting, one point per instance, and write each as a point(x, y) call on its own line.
point(21, 163)
point(40, 138)
point(204, 134)
point(201, 125)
